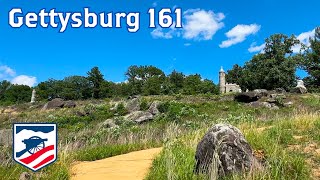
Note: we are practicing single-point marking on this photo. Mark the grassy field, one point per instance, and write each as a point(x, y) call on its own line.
point(287, 139)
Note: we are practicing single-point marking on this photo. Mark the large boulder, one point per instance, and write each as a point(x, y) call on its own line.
point(225, 146)
point(59, 103)
point(247, 97)
point(70, 104)
point(153, 109)
point(133, 104)
point(6, 137)
point(139, 116)
point(53, 104)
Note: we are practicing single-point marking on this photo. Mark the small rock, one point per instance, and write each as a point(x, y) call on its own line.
point(25, 176)
point(280, 90)
point(153, 109)
point(109, 123)
point(258, 104)
point(139, 116)
point(271, 100)
point(288, 104)
point(274, 96)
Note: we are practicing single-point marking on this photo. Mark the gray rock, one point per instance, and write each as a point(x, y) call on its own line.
point(299, 90)
point(247, 97)
point(70, 104)
point(6, 137)
point(258, 104)
point(153, 109)
point(109, 123)
point(261, 92)
point(55, 103)
point(139, 116)
point(25, 176)
point(133, 105)
point(288, 104)
point(271, 100)
point(280, 90)
point(225, 146)
point(274, 96)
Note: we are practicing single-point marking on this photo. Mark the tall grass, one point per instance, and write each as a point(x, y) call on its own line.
point(177, 159)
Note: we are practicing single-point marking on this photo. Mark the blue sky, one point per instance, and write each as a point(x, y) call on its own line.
point(216, 33)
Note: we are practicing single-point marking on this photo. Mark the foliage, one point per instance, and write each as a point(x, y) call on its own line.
point(275, 68)
point(310, 62)
point(96, 79)
point(10, 94)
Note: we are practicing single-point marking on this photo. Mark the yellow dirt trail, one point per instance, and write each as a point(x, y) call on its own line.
point(131, 166)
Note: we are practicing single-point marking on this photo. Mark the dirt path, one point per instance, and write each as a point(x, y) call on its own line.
point(131, 166)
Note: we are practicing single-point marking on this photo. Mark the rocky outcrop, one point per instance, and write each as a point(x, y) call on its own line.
point(139, 116)
point(225, 146)
point(59, 103)
point(6, 137)
point(247, 97)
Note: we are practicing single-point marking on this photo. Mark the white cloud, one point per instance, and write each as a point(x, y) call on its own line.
point(197, 25)
point(6, 71)
point(256, 48)
point(187, 44)
point(159, 33)
point(24, 80)
point(201, 24)
point(304, 39)
point(239, 33)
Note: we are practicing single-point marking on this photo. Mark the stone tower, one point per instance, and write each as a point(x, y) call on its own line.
point(222, 81)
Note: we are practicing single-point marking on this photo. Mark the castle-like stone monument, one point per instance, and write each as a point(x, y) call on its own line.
point(226, 87)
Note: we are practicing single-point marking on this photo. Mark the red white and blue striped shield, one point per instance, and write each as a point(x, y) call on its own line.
point(35, 145)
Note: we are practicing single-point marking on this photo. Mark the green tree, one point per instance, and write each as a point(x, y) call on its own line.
point(16, 94)
point(145, 79)
point(275, 68)
point(4, 86)
point(234, 75)
point(96, 79)
point(192, 84)
point(75, 88)
point(50, 89)
point(311, 62)
point(177, 81)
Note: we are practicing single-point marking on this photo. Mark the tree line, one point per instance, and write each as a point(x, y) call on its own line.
point(275, 67)
point(141, 80)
